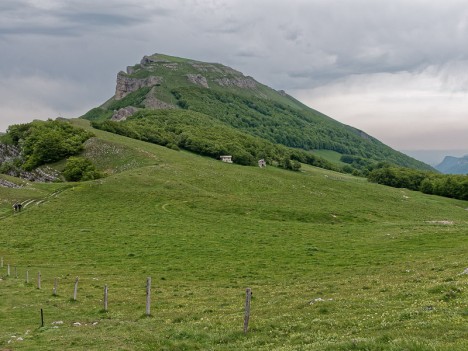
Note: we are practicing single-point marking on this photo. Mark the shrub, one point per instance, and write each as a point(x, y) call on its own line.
point(80, 168)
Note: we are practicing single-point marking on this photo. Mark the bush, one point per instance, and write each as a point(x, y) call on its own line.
point(80, 168)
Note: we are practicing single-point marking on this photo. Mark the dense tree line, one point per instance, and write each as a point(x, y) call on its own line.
point(196, 132)
point(357, 165)
point(292, 127)
point(454, 186)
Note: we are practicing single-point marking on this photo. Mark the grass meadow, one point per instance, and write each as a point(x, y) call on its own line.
point(334, 263)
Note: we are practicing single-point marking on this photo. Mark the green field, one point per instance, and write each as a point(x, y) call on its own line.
point(334, 262)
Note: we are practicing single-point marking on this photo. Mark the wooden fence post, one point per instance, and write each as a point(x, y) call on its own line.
point(105, 297)
point(39, 280)
point(75, 292)
point(248, 297)
point(8, 270)
point(54, 291)
point(42, 318)
point(148, 296)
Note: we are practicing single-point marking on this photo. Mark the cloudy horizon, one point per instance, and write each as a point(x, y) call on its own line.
point(396, 69)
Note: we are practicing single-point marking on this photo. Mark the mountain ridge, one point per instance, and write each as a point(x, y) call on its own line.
point(453, 165)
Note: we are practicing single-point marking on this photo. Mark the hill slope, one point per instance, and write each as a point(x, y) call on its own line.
point(240, 102)
point(453, 165)
point(335, 263)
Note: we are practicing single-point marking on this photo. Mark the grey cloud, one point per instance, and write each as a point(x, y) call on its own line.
point(298, 44)
point(72, 18)
point(58, 31)
point(100, 19)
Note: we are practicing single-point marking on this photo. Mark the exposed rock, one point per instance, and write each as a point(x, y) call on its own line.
point(130, 70)
point(8, 152)
point(153, 102)
point(43, 174)
point(240, 82)
point(146, 60)
point(282, 93)
point(172, 66)
point(206, 67)
point(127, 85)
point(198, 79)
point(230, 70)
point(6, 184)
point(123, 113)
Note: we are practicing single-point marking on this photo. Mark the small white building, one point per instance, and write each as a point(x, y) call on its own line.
point(227, 159)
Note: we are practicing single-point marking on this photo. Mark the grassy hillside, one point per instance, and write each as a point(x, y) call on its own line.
point(334, 262)
point(229, 97)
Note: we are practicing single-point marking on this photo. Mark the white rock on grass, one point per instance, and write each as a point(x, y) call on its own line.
point(319, 299)
point(77, 324)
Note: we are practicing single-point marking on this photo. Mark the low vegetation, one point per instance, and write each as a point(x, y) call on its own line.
point(334, 262)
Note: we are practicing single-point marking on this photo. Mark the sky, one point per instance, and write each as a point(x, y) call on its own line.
point(397, 69)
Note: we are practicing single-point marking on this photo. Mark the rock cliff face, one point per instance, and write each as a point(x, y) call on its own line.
point(158, 68)
point(10, 153)
point(126, 85)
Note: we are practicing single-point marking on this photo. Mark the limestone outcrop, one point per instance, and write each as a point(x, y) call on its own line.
point(10, 153)
point(240, 82)
point(198, 79)
point(123, 113)
point(126, 85)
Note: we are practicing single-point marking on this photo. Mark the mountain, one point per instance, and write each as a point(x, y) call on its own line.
point(183, 103)
point(453, 165)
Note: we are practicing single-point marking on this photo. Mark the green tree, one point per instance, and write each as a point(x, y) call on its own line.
point(80, 168)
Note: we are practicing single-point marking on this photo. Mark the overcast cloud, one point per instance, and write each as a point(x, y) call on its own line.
point(397, 69)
